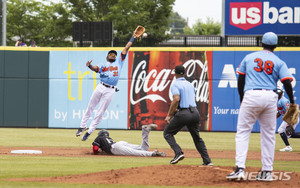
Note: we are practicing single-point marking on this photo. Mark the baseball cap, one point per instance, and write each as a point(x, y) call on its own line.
point(179, 69)
point(270, 38)
point(112, 51)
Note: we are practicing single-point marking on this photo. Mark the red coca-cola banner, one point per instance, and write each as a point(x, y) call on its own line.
point(150, 75)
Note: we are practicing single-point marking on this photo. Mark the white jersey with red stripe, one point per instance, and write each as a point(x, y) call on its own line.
point(263, 69)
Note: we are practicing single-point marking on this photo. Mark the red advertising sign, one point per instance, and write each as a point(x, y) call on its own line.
point(246, 15)
point(150, 75)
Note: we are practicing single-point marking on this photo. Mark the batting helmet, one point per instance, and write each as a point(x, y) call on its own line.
point(103, 132)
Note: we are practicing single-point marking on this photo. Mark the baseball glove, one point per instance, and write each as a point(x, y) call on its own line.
point(138, 32)
point(289, 131)
point(292, 114)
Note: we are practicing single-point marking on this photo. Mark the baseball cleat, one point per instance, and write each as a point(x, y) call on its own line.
point(80, 131)
point(150, 126)
point(85, 137)
point(264, 176)
point(178, 157)
point(287, 148)
point(158, 154)
point(238, 174)
point(208, 164)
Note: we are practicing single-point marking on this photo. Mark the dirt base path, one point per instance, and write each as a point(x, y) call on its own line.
point(87, 152)
point(169, 175)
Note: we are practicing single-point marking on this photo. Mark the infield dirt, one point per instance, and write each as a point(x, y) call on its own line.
point(169, 175)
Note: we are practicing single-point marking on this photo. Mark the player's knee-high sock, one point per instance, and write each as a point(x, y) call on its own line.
point(285, 139)
point(295, 135)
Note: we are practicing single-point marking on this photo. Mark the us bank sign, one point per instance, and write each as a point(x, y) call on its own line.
point(255, 17)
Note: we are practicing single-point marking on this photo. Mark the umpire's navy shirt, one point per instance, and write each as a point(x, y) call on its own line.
point(185, 90)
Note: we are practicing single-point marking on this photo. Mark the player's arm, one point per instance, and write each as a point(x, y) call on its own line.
point(241, 85)
point(173, 108)
point(92, 67)
point(289, 90)
point(128, 45)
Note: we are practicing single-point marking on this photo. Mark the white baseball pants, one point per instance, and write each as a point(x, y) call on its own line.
point(258, 105)
point(102, 95)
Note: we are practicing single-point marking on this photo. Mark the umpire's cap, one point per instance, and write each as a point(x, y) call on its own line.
point(103, 132)
point(112, 51)
point(179, 69)
point(270, 38)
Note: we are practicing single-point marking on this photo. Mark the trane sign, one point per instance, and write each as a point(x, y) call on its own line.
point(247, 15)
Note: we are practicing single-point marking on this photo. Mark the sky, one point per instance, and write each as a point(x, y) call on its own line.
point(192, 10)
point(199, 9)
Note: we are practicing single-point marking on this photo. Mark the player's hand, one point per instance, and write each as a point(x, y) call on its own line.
point(88, 63)
point(167, 119)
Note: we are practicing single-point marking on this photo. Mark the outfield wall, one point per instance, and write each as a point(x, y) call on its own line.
point(51, 87)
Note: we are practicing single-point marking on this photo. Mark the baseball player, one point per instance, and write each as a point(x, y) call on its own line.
point(183, 111)
point(107, 145)
point(109, 72)
point(282, 106)
point(257, 84)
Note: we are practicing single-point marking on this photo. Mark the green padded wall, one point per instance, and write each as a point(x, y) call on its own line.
point(16, 64)
point(15, 102)
point(24, 88)
point(1, 101)
point(38, 90)
point(1, 86)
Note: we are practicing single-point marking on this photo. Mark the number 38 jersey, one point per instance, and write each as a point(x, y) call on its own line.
point(263, 69)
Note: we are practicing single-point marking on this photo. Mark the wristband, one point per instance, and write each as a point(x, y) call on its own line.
point(90, 66)
point(132, 39)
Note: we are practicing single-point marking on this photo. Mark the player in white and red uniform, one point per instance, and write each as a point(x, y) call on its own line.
point(257, 84)
point(109, 76)
point(283, 105)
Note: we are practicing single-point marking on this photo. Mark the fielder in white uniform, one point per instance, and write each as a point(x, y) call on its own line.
point(283, 105)
point(257, 84)
point(107, 145)
point(109, 72)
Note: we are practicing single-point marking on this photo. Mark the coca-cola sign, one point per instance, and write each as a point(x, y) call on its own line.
point(150, 79)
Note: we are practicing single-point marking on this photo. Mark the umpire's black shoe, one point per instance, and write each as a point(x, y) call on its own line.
point(208, 164)
point(178, 157)
point(80, 131)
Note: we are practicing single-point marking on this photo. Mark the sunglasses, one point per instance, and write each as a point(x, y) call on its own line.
point(112, 55)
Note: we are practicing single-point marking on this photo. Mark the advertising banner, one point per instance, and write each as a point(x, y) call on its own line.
point(144, 85)
point(71, 85)
point(225, 97)
point(255, 17)
point(150, 75)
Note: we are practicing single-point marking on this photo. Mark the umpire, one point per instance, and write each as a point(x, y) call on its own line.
point(183, 112)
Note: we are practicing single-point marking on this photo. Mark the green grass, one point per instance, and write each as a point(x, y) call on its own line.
point(46, 166)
